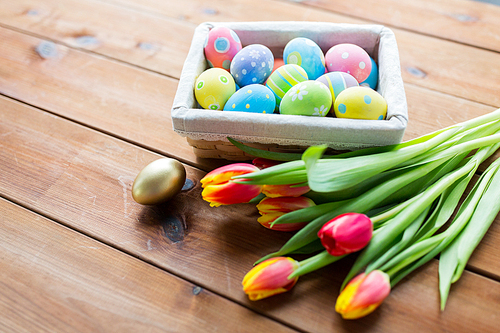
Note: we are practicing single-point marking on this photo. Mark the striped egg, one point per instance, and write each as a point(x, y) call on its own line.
point(284, 78)
point(360, 103)
point(337, 82)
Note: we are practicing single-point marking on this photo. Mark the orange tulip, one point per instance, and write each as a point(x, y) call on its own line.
point(269, 278)
point(272, 208)
point(219, 189)
point(363, 295)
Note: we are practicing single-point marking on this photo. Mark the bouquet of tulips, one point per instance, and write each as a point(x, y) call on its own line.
point(390, 204)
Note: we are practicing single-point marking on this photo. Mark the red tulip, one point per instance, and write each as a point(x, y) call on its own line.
point(269, 278)
point(363, 295)
point(219, 189)
point(346, 233)
point(272, 208)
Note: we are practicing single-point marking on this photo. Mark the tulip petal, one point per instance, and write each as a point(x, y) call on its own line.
point(269, 278)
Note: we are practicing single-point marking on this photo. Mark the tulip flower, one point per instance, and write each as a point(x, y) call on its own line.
point(269, 278)
point(346, 233)
point(292, 190)
point(272, 208)
point(363, 294)
point(219, 189)
point(263, 163)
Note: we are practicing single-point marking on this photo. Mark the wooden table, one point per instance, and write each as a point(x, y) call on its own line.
point(86, 90)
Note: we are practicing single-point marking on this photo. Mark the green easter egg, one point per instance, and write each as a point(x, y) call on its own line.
point(308, 98)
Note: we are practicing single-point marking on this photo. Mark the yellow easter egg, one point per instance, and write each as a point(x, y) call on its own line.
point(360, 103)
point(213, 88)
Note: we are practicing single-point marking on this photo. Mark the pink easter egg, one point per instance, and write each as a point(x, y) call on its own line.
point(220, 47)
point(349, 58)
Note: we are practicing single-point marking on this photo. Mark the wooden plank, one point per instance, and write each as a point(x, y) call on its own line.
point(469, 22)
point(158, 43)
point(432, 63)
point(134, 104)
point(54, 279)
point(131, 103)
point(82, 178)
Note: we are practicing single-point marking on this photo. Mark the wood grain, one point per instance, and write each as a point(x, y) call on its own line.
point(54, 279)
point(135, 104)
point(433, 63)
point(430, 62)
point(82, 179)
point(158, 43)
point(469, 22)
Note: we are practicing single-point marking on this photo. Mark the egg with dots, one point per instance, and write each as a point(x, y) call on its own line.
point(213, 88)
point(372, 79)
point(284, 78)
point(336, 82)
point(252, 65)
point(349, 58)
point(255, 98)
point(308, 98)
point(307, 54)
point(221, 45)
point(360, 103)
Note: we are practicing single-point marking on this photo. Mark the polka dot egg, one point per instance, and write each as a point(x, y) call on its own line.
point(360, 103)
point(254, 98)
point(349, 58)
point(308, 98)
point(213, 88)
point(337, 82)
point(253, 64)
point(284, 78)
point(221, 46)
point(307, 54)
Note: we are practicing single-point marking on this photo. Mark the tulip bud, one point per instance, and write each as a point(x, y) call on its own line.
point(346, 233)
point(363, 295)
point(272, 208)
point(275, 191)
point(219, 189)
point(269, 278)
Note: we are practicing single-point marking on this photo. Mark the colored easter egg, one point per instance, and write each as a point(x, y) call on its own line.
point(372, 79)
point(284, 78)
point(221, 45)
point(254, 98)
point(337, 82)
point(253, 64)
point(349, 58)
point(213, 88)
point(308, 98)
point(360, 103)
point(307, 54)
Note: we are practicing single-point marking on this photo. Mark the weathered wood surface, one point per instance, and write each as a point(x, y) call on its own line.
point(54, 279)
point(81, 115)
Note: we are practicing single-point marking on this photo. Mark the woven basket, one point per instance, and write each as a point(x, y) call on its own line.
point(227, 151)
point(207, 130)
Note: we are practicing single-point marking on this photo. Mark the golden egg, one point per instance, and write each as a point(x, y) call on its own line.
point(159, 181)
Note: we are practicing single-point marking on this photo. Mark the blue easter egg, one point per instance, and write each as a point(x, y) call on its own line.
point(372, 79)
point(307, 54)
point(252, 64)
point(254, 98)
